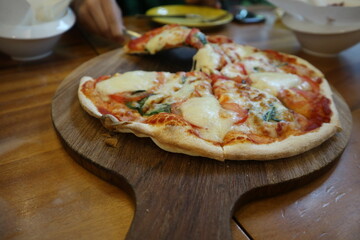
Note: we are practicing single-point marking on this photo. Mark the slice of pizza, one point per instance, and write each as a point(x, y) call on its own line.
point(176, 110)
point(296, 84)
point(269, 124)
point(171, 36)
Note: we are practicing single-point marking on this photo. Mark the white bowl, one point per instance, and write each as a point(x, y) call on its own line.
point(322, 12)
point(33, 42)
point(322, 40)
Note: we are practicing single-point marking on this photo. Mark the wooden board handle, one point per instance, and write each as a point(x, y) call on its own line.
point(205, 213)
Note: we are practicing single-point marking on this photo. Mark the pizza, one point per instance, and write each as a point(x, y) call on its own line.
point(171, 36)
point(237, 103)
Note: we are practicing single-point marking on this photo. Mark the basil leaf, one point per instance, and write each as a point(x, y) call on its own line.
point(138, 91)
point(143, 100)
point(138, 106)
point(183, 79)
point(270, 115)
point(267, 116)
point(160, 108)
point(282, 64)
point(201, 37)
point(132, 105)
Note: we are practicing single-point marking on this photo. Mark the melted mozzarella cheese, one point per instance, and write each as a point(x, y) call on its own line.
point(243, 51)
point(130, 81)
point(173, 36)
point(184, 92)
point(255, 123)
point(272, 82)
point(171, 85)
point(205, 113)
point(232, 71)
point(207, 60)
point(151, 101)
point(176, 89)
point(254, 65)
point(237, 52)
point(260, 56)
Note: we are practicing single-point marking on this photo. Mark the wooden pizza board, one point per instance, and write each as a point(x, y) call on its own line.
point(177, 196)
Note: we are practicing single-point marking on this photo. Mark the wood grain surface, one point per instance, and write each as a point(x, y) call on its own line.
point(45, 194)
point(177, 196)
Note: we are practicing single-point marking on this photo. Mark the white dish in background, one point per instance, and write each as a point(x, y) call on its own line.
point(14, 12)
point(32, 42)
point(320, 14)
point(322, 40)
point(40, 30)
point(301, 24)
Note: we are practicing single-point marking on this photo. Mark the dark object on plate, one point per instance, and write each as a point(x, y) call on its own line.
point(245, 16)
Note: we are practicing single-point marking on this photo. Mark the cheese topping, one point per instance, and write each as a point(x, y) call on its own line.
point(179, 87)
point(184, 92)
point(205, 113)
point(243, 51)
point(273, 82)
point(233, 70)
point(207, 60)
point(264, 110)
point(236, 51)
point(172, 84)
point(130, 81)
point(173, 36)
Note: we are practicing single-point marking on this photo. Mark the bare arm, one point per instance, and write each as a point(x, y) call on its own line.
point(102, 17)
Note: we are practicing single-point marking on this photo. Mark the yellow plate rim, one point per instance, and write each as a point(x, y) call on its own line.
point(190, 8)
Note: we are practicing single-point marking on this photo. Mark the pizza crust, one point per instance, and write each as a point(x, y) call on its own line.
point(86, 103)
point(307, 64)
point(163, 136)
point(187, 144)
point(326, 91)
point(288, 147)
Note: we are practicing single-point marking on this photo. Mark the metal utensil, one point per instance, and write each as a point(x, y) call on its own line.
point(218, 18)
point(132, 34)
point(189, 15)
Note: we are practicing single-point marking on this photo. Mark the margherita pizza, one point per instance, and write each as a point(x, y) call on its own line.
point(238, 103)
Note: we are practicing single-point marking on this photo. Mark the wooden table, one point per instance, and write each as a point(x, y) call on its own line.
point(44, 194)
